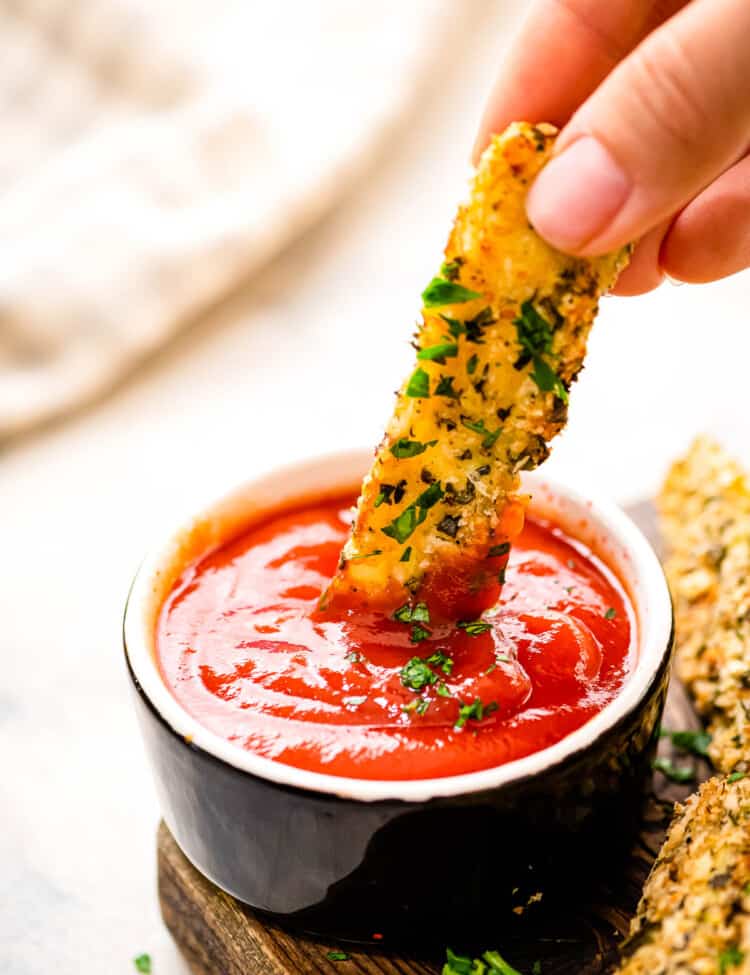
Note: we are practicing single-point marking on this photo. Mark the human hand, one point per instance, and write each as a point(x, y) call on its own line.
point(653, 97)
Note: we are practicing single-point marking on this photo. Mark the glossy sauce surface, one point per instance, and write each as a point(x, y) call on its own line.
point(244, 649)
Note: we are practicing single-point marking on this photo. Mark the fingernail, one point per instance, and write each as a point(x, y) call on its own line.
point(577, 195)
point(675, 282)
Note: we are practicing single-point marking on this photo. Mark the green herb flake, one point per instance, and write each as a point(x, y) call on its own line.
point(729, 958)
point(337, 956)
point(676, 773)
point(536, 968)
point(430, 497)
point(416, 674)
point(441, 291)
point(610, 614)
point(477, 426)
point(450, 269)
point(402, 527)
point(354, 657)
point(419, 633)
point(471, 364)
point(441, 660)
point(142, 963)
point(735, 776)
point(406, 554)
point(410, 448)
point(498, 965)
point(474, 627)
point(439, 353)
point(459, 964)
point(498, 551)
point(419, 384)
point(534, 332)
point(445, 388)
point(455, 327)
point(547, 379)
point(696, 742)
point(443, 690)
point(420, 613)
point(476, 711)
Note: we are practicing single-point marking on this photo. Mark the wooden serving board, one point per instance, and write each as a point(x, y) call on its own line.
point(219, 936)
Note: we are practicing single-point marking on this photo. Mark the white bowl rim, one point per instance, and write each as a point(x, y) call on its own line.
point(655, 622)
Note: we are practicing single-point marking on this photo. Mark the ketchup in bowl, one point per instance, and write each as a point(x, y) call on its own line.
point(243, 647)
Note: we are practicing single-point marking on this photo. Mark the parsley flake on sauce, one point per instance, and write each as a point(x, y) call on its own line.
point(417, 674)
point(410, 448)
point(476, 711)
point(474, 627)
point(499, 550)
point(441, 660)
point(419, 633)
point(142, 963)
point(610, 614)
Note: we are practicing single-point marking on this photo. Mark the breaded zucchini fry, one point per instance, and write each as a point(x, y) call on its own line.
point(694, 916)
point(705, 509)
point(503, 335)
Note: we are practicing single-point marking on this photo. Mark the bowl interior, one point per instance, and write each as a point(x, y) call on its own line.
point(600, 525)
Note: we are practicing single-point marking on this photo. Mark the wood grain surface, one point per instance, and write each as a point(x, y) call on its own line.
point(219, 936)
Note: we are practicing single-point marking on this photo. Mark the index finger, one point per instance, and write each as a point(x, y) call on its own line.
point(562, 52)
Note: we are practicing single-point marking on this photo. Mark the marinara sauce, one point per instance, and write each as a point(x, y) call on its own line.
point(243, 647)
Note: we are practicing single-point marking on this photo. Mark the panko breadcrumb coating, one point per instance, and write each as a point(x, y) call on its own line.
point(502, 338)
point(694, 916)
point(705, 512)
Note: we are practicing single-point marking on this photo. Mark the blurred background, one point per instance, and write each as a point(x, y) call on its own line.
point(216, 219)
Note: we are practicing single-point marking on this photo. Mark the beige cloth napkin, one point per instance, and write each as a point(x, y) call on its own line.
point(153, 153)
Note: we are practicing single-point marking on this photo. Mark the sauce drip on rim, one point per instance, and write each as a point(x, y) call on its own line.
point(242, 647)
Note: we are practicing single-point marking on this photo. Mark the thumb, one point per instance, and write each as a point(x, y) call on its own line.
point(664, 124)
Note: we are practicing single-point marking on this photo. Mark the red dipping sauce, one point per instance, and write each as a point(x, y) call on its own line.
point(244, 649)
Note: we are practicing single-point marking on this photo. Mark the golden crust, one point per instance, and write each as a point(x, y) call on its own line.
point(488, 391)
point(694, 916)
point(705, 512)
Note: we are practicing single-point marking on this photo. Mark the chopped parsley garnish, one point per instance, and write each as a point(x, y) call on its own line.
point(442, 291)
point(536, 968)
point(441, 660)
point(455, 327)
point(430, 497)
point(696, 742)
point(442, 690)
point(143, 963)
point(365, 555)
point(419, 384)
point(475, 326)
point(406, 554)
point(404, 524)
point(412, 614)
point(491, 963)
point(439, 353)
point(471, 364)
point(489, 436)
point(410, 448)
point(535, 338)
point(417, 674)
point(610, 614)
point(735, 776)
point(474, 627)
point(676, 773)
point(729, 958)
point(499, 550)
point(476, 711)
point(445, 388)
point(450, 269)
point(337, 956)
point(419, 633)
point(547, 379)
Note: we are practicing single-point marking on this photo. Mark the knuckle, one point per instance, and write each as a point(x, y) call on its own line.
point(668, 89)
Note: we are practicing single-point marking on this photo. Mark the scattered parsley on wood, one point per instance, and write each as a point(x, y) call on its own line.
point(696, 742)
point(337, 956)
point(675, 773)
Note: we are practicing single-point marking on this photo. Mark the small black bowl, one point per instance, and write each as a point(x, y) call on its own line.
point(403, 861)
